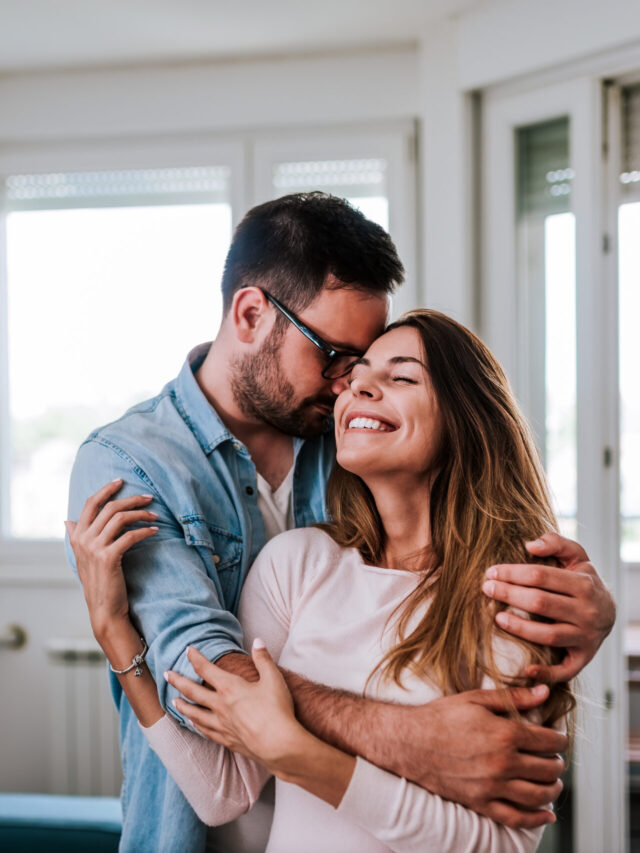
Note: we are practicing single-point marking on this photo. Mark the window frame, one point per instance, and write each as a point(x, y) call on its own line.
point(18, 555)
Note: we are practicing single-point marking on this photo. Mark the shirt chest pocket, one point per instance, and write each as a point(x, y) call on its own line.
point(221, 551)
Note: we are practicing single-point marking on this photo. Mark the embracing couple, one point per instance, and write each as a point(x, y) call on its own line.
point(323, 555)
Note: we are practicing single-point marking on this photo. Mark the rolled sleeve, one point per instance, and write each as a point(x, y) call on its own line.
point(173, 600)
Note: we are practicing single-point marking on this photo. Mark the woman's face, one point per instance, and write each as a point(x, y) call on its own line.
point(388, 421)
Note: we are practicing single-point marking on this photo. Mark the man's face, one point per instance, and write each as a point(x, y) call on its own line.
point(283, 385)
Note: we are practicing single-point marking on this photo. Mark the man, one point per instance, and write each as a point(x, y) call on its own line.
point(238, 448)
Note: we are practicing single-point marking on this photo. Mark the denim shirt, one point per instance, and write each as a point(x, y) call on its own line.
point(184, 583)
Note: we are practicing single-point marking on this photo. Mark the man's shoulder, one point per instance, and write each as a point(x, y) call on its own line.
point(149, 438)
point(145, 418)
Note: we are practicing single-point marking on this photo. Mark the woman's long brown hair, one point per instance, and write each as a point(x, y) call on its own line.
point(489, 497)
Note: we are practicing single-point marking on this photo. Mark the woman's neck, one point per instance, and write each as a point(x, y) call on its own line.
point(403, 506)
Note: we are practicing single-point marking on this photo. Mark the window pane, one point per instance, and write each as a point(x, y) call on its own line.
point(560, 366)
point(546, 229)
point(629, 283)
point(104, 304)
point(363, 182)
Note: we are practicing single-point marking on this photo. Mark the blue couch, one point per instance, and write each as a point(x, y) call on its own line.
point(35, 823)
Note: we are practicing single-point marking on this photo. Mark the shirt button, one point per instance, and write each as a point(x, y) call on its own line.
point(249, 490)
point(237, 446)
point(216, 558)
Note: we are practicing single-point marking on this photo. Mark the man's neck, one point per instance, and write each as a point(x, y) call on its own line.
point(271, 450)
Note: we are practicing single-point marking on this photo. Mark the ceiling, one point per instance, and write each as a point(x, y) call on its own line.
point(38, 34)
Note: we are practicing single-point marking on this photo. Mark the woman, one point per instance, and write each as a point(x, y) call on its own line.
point(437, 479)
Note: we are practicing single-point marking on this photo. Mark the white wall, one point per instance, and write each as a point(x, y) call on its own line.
point(503, 40)
point(225, 96)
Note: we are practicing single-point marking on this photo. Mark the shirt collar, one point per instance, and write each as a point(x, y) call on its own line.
point(197, 411)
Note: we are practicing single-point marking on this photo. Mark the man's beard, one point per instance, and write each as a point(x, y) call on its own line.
point(261, 391)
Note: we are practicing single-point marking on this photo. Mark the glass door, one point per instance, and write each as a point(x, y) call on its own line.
point(624, 204)
point(547, 313)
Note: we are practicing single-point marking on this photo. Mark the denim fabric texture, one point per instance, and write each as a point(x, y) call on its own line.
point(184, 583)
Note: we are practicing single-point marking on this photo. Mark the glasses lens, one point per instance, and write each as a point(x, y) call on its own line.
point(339, 366)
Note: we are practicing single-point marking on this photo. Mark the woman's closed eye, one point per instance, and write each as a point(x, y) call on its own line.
point(408, 379)
point(404, 379)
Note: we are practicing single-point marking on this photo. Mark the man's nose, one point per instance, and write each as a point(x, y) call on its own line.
point(339, 385)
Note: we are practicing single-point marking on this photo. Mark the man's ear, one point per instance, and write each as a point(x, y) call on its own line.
point(249, 313)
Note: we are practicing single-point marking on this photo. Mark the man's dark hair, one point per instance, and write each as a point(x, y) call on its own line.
point(290, 245)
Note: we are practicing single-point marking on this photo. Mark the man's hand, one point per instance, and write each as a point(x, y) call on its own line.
point(574, 596)
point(461, 749)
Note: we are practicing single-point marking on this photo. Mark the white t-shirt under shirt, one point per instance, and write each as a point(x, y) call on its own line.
point(327, 615)
point(275, 505)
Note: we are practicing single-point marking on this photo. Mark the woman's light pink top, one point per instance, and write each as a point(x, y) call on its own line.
point(329, 617)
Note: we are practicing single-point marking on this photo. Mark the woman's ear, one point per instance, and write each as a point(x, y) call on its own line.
point(249, 314)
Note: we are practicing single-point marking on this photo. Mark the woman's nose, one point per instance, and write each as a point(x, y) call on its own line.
point(365, 386)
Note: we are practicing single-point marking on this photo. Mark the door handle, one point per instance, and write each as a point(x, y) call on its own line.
point(13, 637)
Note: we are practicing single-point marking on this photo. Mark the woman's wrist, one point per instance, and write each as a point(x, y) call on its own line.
point(119, 641)
point(106, 626)
point(315, 766)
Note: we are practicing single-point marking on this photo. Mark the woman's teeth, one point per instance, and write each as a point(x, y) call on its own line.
point(368, 423)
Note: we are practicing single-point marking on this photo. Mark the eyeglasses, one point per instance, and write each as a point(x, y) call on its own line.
point(339, 362)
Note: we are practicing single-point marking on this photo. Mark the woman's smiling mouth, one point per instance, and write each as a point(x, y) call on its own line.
point(358, 420)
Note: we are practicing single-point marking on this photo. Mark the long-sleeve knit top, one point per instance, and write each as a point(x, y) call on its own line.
point(328, 616)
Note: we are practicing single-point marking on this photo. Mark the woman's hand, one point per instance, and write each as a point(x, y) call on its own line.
point(98, 541)
point(255, 718)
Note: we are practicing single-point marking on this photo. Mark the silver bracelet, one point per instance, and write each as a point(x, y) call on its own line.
point(136, 663)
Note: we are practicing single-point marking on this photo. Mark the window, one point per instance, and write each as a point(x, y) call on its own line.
point(362, 182)
point(111, 278)
point(112, 275)
point(374, 170)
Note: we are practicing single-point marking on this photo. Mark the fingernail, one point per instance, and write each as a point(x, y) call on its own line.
point(259, 644)
point(117, 480)
point(147, 496)
point(536, 543)
point(489, 587)
point(154, 528)
point(492, 572)
point(174, 702)
point(166, 675)
point(189, 649)
point(539, 690)
point(502, 619)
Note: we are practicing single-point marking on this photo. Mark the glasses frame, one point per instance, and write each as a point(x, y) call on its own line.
point(331, 353)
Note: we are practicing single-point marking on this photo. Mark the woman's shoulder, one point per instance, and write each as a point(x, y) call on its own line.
point(291, 544)
point(291, 561)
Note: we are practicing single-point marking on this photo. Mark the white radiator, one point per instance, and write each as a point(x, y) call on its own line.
point(85, 753)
